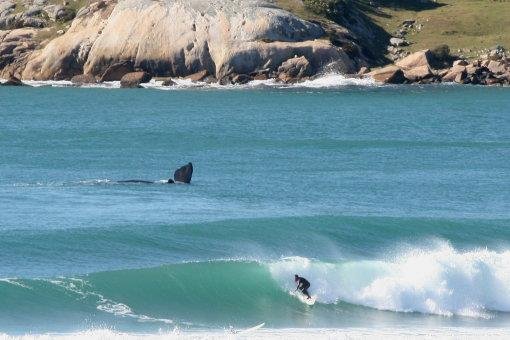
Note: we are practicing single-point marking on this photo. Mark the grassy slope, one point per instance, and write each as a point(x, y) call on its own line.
point(462, 24)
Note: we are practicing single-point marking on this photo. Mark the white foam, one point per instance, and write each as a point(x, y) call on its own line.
point(440, 281)
point(298, 334)
point(15, 282)
point(83, 289)
point(332, 80)
point(328, 80)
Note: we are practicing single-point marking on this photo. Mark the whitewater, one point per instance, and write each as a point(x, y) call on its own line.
point(393, 201)
point(327, 80)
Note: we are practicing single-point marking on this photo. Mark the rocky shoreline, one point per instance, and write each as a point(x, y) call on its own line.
point(427, 67)
point(225, 42)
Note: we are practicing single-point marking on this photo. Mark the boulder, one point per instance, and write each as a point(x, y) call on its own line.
point(294, 69)
point(393, 50)
point(460, 62)
point(168, 82)
point(398, 42)
point(134, 79)
point(116, 71)
point(461, 77)
point(363, 70)
point(33, 22)
point(261, 76)
point(225, 80)
point(506, 77)
point(388, 75)
point(408, 22)
point(21, 34)
point(417, 59)
point(184, 173)
point(497, 53)
point(13, 81)
point(485, 63)
point(472, 69)
point(493, 81)
point(418, 73)
point(497, 67)
point(453, 72)
point(65, 14)
point(32, 11)
point(198, 76)
point(241, 79)
point(82, 79)
point(6, 5)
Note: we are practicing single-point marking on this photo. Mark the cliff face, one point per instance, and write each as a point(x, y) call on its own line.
point(181, 37)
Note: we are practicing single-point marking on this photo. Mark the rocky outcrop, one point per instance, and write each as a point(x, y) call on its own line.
point(15, 48)
point(417, 59)
point(116, 71)
point(418, 68)
point(241, 79)
point(168, 82)
point(388, 75)
point(222, 38)
point(294, 69)
point(134, 79)
point(83, 79)
point(198, 76)
point(64, 56)
point(398, 41)
point(225, 41)
point(12, 81)
point(33, 13)
point(184, 174)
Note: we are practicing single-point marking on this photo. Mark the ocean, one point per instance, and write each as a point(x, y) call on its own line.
point(393, 201)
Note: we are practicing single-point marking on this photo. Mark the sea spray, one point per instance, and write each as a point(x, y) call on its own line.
point(440, 281)
point(327, 80)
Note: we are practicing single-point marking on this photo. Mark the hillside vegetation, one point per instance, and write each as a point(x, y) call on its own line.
point(469, 27)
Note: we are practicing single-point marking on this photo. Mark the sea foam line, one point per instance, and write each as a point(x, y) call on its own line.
point(328, 80)
point(277, 334)
point(80, 286)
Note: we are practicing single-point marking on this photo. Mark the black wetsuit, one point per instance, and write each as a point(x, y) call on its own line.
point(303, 285)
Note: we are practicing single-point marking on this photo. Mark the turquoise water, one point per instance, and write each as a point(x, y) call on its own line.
point(393, 201)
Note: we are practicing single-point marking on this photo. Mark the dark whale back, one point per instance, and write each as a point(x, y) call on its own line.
point(136, 181)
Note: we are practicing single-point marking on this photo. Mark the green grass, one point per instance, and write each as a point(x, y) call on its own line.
point(461, 24)
point(469, 25)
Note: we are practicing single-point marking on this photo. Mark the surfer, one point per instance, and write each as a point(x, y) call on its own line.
point(302, 285)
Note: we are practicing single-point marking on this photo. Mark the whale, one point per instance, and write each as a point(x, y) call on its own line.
point(181, 175)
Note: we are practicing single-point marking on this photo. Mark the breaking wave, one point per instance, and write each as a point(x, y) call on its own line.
point(440, 281)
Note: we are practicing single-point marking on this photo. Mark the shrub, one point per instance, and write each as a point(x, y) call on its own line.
point(441, 52)
point(322, 7)
point(441, 56)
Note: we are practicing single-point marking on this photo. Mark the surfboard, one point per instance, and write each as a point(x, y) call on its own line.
point(304, 299)
point(251, 329)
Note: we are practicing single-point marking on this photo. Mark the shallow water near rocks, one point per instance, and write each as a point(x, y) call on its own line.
point(393, 201)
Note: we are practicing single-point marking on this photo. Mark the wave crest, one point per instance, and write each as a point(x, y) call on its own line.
point(441, 281)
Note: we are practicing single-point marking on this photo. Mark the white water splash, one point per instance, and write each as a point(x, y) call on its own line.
point(329, 80)
point(439, 281)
